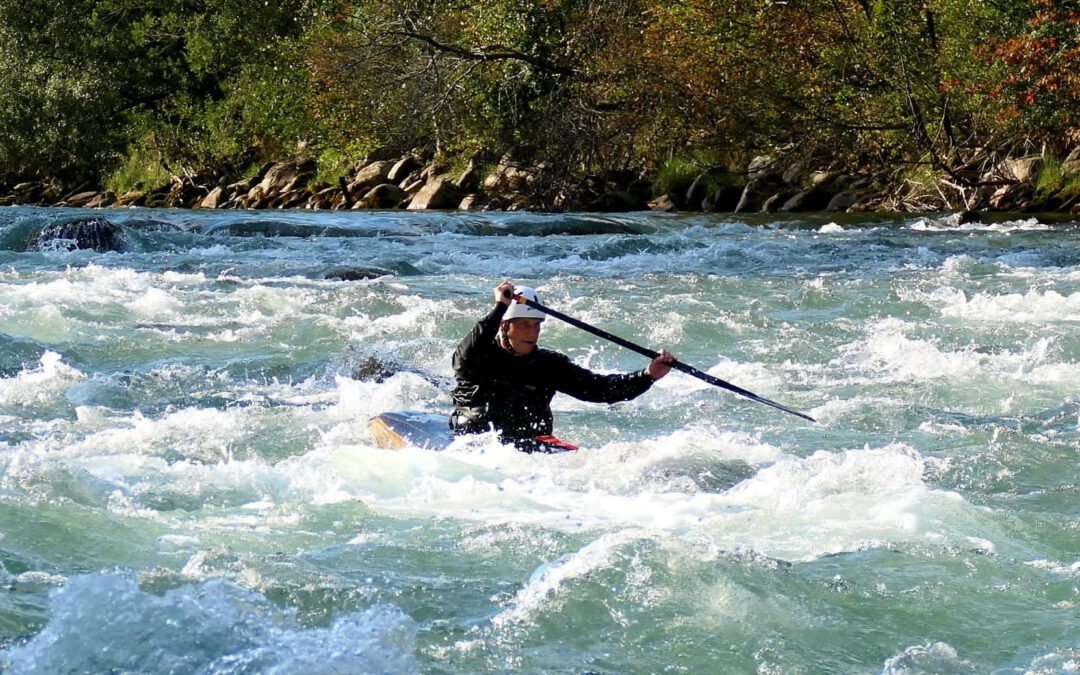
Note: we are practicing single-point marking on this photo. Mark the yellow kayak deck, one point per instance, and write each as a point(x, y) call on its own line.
point(431, 431)
point(395, 430)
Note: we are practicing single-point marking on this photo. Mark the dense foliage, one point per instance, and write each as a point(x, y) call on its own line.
point(117, 90)
point(86, 84)
point(1041, 73)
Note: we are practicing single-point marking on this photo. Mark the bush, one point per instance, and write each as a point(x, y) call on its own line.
point(675, 176)
point(334, 161)
point(1051, 179)
point(140, 170)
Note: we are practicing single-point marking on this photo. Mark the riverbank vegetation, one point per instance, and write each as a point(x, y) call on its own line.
point(928, 98)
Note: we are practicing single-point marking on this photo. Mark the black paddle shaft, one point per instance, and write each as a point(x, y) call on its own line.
point(652, 354)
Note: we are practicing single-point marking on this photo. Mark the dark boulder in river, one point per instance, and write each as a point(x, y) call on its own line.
point(379, 369)
point(356, 273)
point(94, 233)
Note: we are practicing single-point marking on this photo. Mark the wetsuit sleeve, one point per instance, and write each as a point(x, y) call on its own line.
point(586, 385)
point(482, 333)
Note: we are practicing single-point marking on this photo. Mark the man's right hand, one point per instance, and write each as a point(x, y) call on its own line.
point(504, 292)
point(661, 365)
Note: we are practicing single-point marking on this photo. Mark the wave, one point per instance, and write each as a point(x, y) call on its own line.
point(19, 226)
point(1034, 306)
point(58, 234)
point(397, 225)
point(216, 626)
point(16, 353)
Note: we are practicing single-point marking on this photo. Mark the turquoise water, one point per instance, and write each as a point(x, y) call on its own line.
point(188, 483)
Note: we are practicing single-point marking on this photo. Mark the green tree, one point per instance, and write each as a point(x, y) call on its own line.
point(459, 74)
point(1039, 70)
point(866, 78)
point(587, 84)
point(82, 81)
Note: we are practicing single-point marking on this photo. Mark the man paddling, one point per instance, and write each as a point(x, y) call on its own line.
point(506, 381)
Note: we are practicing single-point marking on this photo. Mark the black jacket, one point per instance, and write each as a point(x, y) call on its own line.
point(513, 393)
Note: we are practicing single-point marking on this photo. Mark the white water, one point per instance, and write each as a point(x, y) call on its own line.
point(185, 456)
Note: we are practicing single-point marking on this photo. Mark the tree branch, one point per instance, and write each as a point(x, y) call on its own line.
point(488, 53)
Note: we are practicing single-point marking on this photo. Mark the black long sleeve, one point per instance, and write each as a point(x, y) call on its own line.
point(513, 393)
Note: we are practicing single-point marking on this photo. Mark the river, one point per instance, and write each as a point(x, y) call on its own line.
point(188, 483)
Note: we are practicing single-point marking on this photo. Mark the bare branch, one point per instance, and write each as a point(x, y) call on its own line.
point(488, 53)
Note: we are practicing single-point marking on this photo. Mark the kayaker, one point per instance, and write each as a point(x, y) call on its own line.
point(505, 381)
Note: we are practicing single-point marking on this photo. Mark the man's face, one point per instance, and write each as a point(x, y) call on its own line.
point(523, 334)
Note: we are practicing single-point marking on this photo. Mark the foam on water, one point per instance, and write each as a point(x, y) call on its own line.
point(37, 386)
point(838, 410)
point(186, 410)
point(889, 354)
point(1031, 307)
point(952, 223)
point(106, 623)
point(90, 284)
point(547, 581)
point(137, 466)
point(932, 657)
point(830, 502)
point(778, 505)
point(1062, 660)
point(1070, 570)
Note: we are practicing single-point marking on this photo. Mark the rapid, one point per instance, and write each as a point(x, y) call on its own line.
point(188, 483)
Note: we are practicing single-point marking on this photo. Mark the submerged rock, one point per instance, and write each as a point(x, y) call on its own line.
point(94, 233)
point(374, 370)
point(356, 273)
point(697, 474)
point(379, 369)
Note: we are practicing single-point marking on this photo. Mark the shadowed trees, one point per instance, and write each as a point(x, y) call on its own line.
point(97, 88)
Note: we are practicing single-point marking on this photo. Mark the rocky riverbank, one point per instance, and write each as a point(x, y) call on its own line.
point(418, 181)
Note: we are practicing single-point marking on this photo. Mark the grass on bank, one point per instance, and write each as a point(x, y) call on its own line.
point(333, 162)
point(677, 174)
point(140, 171)
point(1053, 182)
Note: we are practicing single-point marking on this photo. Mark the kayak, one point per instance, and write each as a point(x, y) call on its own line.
point(396, 430)
point(431, 431)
